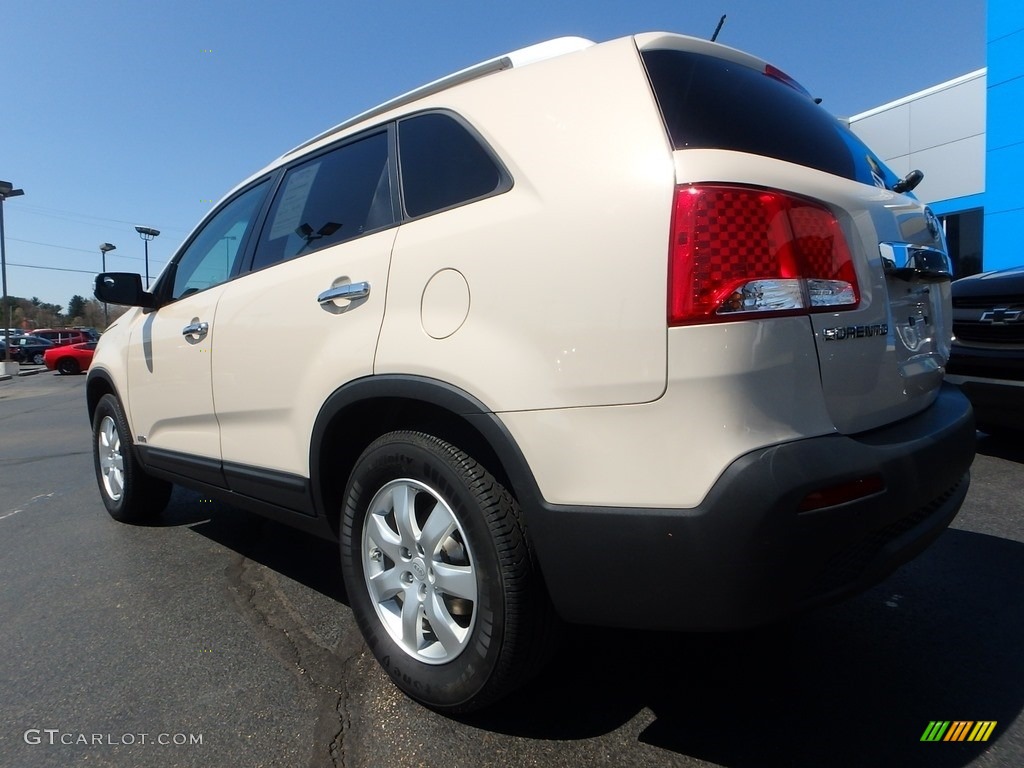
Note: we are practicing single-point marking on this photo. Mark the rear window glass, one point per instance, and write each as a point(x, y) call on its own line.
point(710, 103)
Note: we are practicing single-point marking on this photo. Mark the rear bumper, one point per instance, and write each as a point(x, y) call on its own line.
point(746, 555)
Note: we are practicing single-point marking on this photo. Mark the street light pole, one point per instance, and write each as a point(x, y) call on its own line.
point(6, 190)
point(147, 234)
point(104, 248)
point(227, 255)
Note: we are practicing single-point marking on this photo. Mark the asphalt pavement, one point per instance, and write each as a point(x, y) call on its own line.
point(216, 638)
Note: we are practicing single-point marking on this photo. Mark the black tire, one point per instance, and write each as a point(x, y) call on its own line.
point(507, 630)
point(68, 366)
point(128, 493)
point(38, 359)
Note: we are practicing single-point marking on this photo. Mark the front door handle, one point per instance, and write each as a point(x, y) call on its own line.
point(196, 329)
point(350, 291)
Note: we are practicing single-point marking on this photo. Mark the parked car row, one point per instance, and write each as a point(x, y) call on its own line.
point(63, 349)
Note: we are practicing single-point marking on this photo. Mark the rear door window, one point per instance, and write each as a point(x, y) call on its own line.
point(336, 196)
point(711, 103)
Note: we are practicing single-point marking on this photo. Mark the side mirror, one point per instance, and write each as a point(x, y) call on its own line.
point(909, 182)
point(124, 288)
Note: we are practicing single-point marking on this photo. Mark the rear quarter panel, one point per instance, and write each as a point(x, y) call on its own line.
point(565, 273)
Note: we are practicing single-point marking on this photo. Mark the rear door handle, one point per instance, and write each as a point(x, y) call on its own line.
point(196, 329)
point(349, 291)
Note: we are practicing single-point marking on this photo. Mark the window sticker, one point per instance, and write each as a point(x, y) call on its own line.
point(293, 201)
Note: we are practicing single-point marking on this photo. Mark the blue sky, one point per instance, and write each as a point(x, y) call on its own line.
point(124, 112)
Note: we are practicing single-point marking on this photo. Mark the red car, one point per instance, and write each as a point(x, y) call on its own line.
point(73, 358)
point(63, 336)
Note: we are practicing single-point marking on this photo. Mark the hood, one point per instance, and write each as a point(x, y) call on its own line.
point(998, 283)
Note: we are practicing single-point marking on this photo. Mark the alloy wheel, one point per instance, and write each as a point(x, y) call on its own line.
point(110, 459)
point(419, 571)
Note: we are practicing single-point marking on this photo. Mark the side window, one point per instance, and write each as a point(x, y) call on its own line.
point(334, 197)
point(209, 258)
point(443, 164)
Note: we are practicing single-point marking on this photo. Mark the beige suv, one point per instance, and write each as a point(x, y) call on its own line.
point(630, 334)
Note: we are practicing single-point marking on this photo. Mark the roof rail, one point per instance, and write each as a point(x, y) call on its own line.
point(519, 58)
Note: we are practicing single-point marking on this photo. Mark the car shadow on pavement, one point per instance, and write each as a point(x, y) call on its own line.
point(1008, 447)
point(302, 557)
point(852, 685)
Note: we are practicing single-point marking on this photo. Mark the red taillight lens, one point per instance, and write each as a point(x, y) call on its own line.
point(737, 251)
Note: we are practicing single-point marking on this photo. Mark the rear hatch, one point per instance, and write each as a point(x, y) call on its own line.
point(781, 210)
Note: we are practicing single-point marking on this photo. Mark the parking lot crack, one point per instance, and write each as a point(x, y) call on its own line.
point(336, 747)
point(321, 670)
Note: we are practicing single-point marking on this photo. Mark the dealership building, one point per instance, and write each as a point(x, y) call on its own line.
point(967, 135)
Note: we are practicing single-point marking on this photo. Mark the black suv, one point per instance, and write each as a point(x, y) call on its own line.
point(987, 358)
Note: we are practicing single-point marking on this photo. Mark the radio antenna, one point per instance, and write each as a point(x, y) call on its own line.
point(718, 29)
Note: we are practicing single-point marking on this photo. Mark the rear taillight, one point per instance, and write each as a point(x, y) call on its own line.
point(737, 252)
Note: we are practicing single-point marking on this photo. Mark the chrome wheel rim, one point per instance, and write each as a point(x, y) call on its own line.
point(419, 571)
point(108, 441)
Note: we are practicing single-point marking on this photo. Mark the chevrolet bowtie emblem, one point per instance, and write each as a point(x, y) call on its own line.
point(1001, 316)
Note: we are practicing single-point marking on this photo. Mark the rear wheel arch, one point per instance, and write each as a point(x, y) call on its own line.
point(358, 413)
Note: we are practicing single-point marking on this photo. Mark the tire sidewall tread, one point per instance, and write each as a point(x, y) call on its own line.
point(497, 657)
point(143, 497)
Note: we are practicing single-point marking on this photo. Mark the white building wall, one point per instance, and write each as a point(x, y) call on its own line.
point(940, 131)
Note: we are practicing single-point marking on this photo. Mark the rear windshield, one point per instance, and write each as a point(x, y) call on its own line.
point(710, 103)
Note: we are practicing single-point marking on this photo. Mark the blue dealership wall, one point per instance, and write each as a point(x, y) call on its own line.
point(1004, 153)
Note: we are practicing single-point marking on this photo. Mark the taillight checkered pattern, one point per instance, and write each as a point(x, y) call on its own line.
point(724, 238)
point(730, 239)
point(818, 240)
